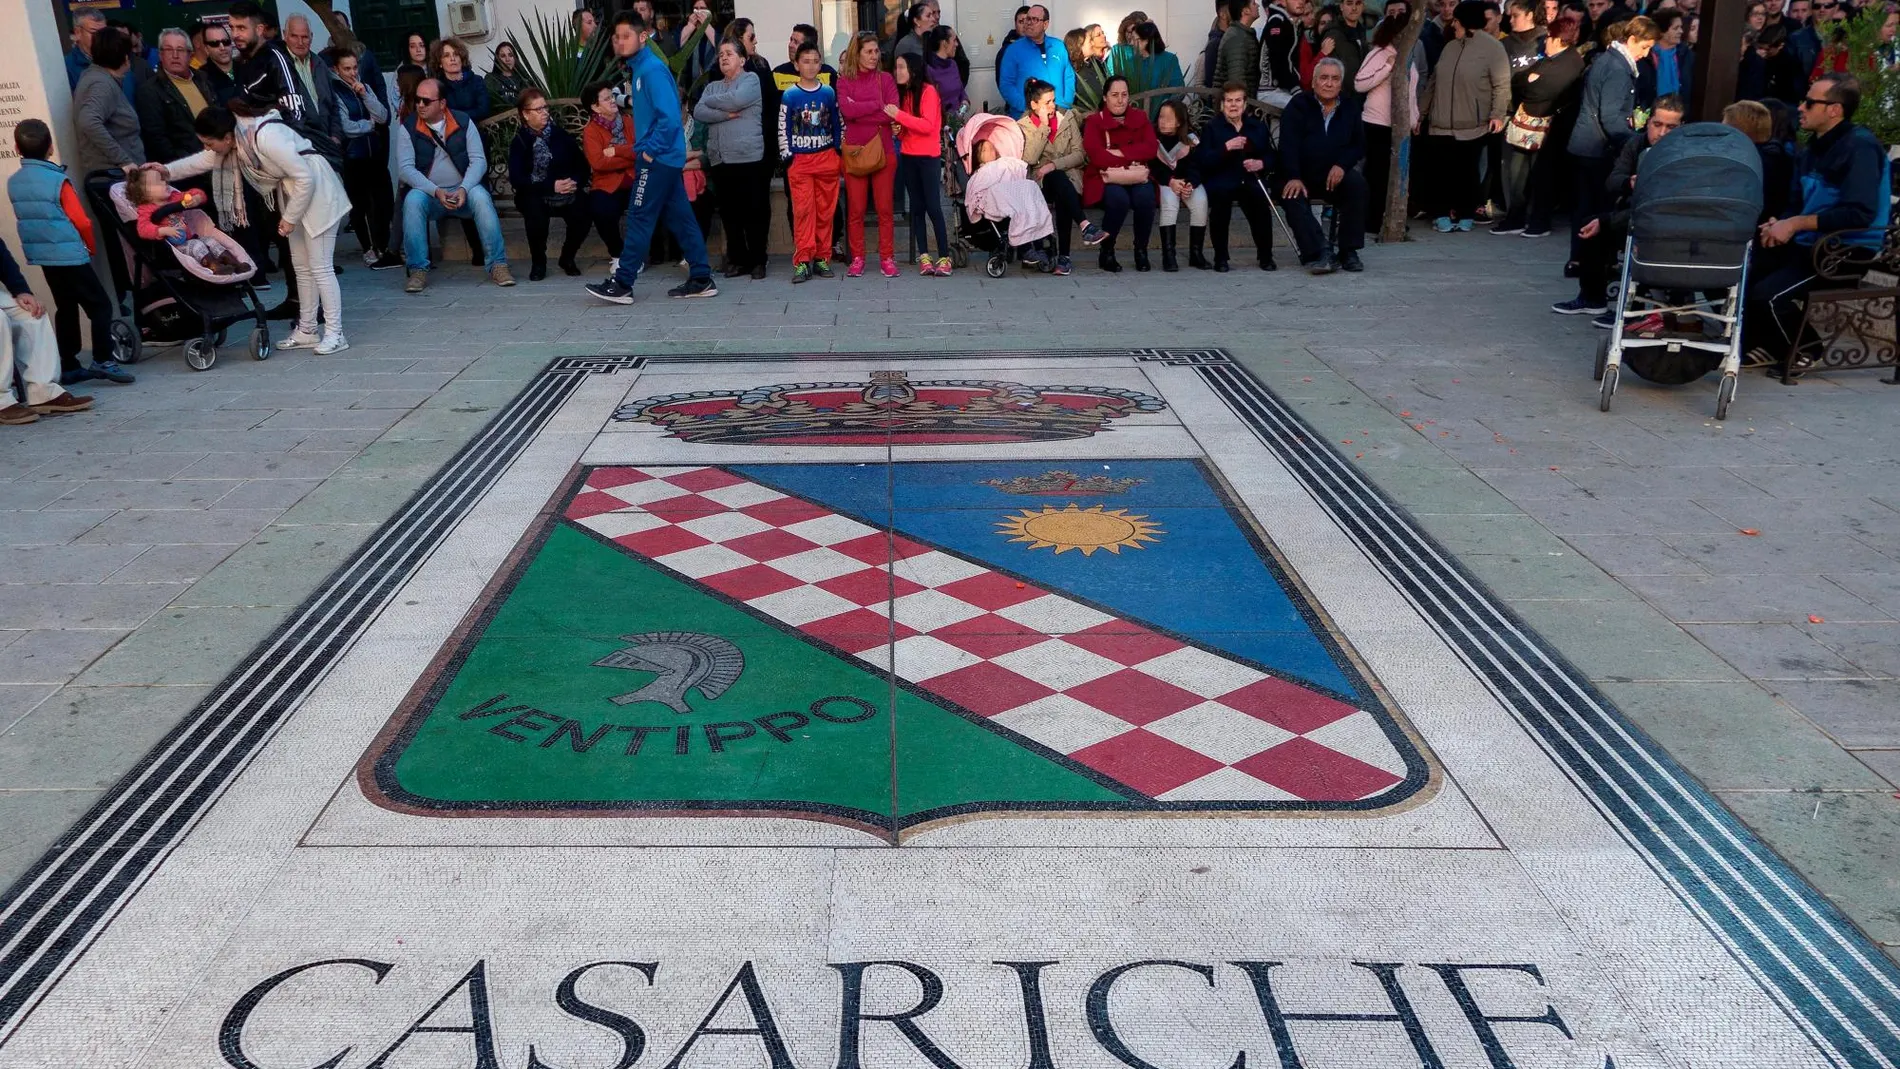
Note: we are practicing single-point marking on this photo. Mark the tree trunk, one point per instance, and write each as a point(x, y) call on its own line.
point(1399, 83)
point(339, 33)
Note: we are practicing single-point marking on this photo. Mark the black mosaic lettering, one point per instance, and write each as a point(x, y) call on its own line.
point(778, 725)
point(765, 1026)
point(717, 735)
point(640, 734)
point(851, 1016)
point(1035, 1021)
point(865, 709)
point(633, 1038)
point(1387, 972)
point(1481, 1022)
point(480, 1028)
point(1104, 1028)
point(571, 731)
point(487, 709)
point(231, 1032)
point(528, 720)
point(682, 739)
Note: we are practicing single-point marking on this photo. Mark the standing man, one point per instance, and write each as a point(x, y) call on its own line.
point(1034, 55)
point(659, 183)
point(313, 81)
point(217, 77)
point(1280, 51)
point(79, 56)
point(263, 67)
point(1239, 60)
point(169, 101)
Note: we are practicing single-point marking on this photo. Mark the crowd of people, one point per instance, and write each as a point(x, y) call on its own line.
point(1524, 107)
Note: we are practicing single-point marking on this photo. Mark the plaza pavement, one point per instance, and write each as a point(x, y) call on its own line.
point(149, 544)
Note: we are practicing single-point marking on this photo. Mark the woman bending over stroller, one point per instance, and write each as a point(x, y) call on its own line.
point(312, 206)
point(160, 208)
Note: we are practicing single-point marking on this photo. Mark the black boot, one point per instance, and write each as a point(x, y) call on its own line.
point(1168, 261)
point(1197, 235)
point(1141, 258)
point(1107, 260)
point(537, 270)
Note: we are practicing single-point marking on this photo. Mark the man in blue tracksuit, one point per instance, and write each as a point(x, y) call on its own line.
point(659, 185)
point(1035, 55)
point(1842, 185)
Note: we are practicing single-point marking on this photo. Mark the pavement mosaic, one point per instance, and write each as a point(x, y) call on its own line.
point(1242, 695)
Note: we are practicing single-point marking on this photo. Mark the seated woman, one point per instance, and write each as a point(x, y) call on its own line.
point(1052, 147)
point(547, 171)
point(1120, 141)
point(608, 141)
point(1175, 139)
point(1231, 163)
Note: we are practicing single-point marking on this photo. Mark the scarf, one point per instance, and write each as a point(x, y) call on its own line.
point(543, 155)
point(614, 127)
point(227, 192)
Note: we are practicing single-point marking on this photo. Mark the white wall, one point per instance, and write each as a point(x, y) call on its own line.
point(32, 61)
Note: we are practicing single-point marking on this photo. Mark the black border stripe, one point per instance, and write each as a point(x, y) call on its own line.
point(1805, 953)
point(53, 911)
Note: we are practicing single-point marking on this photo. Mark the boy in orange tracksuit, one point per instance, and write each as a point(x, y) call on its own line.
point(809, 135)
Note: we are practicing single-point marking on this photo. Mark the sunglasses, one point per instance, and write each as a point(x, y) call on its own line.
point(223, 42)
point(428, 100)
point(1810, 102)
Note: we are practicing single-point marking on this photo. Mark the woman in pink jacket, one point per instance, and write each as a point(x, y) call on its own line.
point(919, 116)
point(867, 97)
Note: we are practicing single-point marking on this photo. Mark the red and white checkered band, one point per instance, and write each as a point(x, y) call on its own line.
point(1171, 720)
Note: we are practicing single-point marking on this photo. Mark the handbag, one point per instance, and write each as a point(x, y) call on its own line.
point(557, 201)
point(868, 158)
point(1526, 131)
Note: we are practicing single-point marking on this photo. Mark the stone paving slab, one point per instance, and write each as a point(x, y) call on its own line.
point(1455, 415)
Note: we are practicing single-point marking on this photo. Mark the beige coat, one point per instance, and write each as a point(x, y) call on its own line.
point(1470, 87)
point(1066, 153)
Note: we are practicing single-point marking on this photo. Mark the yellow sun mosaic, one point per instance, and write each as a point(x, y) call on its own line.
point(1075, 527)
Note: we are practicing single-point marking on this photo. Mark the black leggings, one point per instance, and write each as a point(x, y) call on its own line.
point(372, 204)
point(1066, 204)
point(536, 215)
point(921, 179)
point(610, 217)
point(1117, 201)
point(742, 191)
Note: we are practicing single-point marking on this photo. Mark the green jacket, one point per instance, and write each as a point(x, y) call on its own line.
point(1239, 59)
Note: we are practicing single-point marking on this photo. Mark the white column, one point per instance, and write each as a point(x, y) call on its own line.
point(32, 86)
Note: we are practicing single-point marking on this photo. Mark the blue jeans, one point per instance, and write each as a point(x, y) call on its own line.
point(659, 195)
point(421, 210)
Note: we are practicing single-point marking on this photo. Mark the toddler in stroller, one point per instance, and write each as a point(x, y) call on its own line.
point(168, 215)
point(1000, 197)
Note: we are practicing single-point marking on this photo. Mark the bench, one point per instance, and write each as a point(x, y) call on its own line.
point(1852, 320)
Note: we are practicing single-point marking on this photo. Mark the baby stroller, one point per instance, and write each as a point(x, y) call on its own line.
point(1692, 219)
point(990, 236)
point(174, 297)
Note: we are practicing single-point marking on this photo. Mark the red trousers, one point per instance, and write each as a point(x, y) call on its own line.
point(879, 184)
point(812, 180)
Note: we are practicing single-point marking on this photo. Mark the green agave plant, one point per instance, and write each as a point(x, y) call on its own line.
point(555, 59)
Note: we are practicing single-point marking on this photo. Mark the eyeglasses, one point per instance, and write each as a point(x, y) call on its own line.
point(1810, 102)
point(222, 42)
point(428, 100)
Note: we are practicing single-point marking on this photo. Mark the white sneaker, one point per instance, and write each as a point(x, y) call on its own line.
point(369, 258)
point(299, 339)
point(332, 343)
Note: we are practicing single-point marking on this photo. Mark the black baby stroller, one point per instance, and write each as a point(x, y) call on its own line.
point(1692, 219)
point(174, 297)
